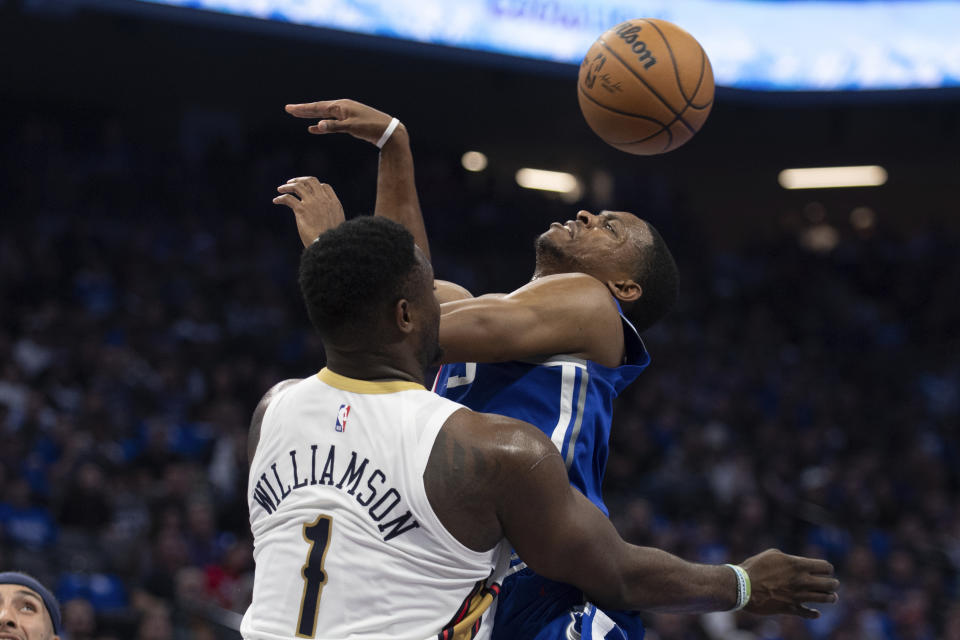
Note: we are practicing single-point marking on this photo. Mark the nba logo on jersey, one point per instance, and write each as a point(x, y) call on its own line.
point(342, 417)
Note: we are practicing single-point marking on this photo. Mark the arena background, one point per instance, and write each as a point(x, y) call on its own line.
point(805, 394)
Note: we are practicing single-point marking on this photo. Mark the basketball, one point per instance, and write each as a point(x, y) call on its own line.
point(645, 86)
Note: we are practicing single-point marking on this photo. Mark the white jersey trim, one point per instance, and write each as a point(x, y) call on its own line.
point(556, 361)
point(425, 511)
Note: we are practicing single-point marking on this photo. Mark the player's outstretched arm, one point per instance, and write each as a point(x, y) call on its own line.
point(515, 471)
point(563, 536)
point(396, 188)
point(564, 314)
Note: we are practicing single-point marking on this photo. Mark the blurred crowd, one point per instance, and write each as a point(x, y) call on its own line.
point(805, 400)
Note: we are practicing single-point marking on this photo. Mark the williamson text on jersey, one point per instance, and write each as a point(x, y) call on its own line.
point(377, 497)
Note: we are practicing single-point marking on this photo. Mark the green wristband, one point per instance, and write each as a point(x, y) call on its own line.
point(743, 586)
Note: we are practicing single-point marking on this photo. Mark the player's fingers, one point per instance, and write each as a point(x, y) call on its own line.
point(815, 565)
point(295, 188)
point(821, 583)
point(304, 187)
point(806, 612)
point(321, 109)
point(287, 200)
point(816, 596)
point(308, 184)
point(329, 126)
point(326, 190)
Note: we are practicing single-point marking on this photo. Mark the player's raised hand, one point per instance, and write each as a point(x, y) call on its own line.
point(782, 583)
point(314, 204)
point(343, 116)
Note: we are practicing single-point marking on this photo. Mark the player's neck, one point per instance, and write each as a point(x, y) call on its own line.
point(542, 271)
point(549, 264)
point(374, 366)
point(546, 268)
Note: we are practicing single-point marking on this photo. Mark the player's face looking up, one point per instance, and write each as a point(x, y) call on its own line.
point(23, 615)
point(606, 245)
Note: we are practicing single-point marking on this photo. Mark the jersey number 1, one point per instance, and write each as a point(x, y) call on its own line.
point(317, 533)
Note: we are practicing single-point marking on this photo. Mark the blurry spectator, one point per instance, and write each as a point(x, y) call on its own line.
point(25, 524)
point(230, 582)
point(155, 624)
point(104, 592)
point(79, 620)
point(202, 538)
point(85, 502)
point(170, 554)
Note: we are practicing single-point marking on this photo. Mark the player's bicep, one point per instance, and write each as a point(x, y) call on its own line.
point(491, 329)
point(447, 291)
point(558, 532)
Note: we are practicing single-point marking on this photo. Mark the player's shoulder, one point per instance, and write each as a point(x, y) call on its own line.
point(512, 443)
point(256, 422)
point(581, 287)
point(574, 297)
point(277, 390)
point(447, 291)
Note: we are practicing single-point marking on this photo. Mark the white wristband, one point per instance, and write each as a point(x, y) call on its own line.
point(387, 133)
point(743, 587)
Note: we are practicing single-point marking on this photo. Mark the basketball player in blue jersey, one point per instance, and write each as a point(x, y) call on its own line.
point(554, 353)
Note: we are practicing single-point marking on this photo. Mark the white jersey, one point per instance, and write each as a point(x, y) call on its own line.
point(345, 541)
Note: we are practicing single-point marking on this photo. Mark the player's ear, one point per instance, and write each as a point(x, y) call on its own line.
point(625, 290)
point(402, 315)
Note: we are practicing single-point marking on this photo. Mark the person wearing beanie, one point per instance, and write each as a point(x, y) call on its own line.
point(28, 611)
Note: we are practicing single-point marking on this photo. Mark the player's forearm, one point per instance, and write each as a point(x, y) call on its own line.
point(396, 189)
point(654, 580)
point(484, 330)
point(496, 328)
point(585, 550)
point(467, 337)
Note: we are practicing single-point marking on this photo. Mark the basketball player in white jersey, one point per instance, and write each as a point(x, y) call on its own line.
point(378, 507)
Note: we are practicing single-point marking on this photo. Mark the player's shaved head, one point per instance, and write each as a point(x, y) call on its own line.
point(656, 272)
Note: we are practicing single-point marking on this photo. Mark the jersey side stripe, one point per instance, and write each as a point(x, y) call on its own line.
point(568, 379)
point(581, 404)
point(573, 416)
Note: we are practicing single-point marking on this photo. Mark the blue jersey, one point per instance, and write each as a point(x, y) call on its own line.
point(570, 400)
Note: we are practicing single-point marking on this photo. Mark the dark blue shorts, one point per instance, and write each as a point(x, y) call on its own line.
point(531, 607)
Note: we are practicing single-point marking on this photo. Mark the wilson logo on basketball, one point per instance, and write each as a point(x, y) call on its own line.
point(628, 33)
point(342, 415)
